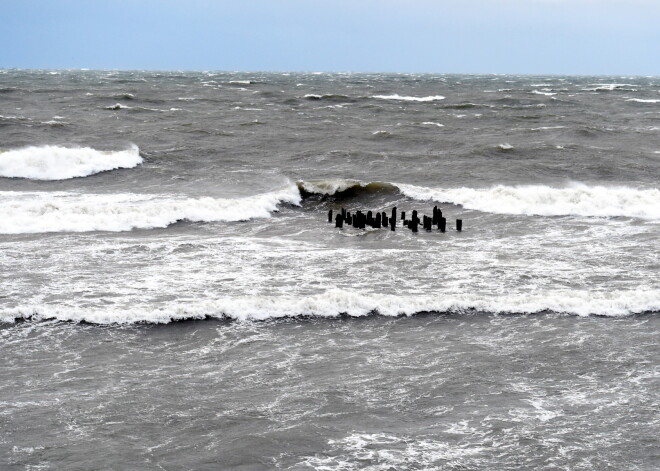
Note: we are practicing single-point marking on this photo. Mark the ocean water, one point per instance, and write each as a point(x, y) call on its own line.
point(172, 295)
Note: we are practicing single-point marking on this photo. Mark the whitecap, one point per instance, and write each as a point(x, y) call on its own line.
point(35, 212)
point(335, 302)
point(641, 100)
point(59, 163)
point(117, 106)
point(573, 200)
point(409, 98)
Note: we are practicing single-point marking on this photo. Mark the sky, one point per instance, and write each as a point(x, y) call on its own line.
point(599, 37)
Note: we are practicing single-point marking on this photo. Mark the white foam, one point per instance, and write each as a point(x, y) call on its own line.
point(608, 87)
point(546, 128)
point(409, 98)
point(335, 302)
point(118, 106)
point(576, 199)
point(505, 146)
point(34, 212)
point(431, 123)
point(58, 163)
point(539, 92)
point(641, 100)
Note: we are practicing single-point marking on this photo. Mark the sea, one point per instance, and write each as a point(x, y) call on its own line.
point(173, 294)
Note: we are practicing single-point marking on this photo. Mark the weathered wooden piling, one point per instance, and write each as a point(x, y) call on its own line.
point(362, 223)
point(339, 221)
point(330, 216)
point(413, 225)
point(459, 225)
point(403, 216)
point(394, 214)
point(377, 221)
point(349, 218)
point(393, 223)
point(343, 213)
point(384, 219)
point(435, 215)
point(356, 219)
point(442, 224)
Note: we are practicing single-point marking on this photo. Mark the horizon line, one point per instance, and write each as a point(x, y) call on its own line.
point(318, 72)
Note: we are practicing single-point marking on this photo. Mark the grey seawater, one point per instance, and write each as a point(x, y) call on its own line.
point(527, 341)
point(472, 391)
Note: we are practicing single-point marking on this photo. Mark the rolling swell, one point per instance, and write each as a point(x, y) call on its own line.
point(335, 303)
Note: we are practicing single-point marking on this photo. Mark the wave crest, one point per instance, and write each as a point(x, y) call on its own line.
point(409, 98)
point(60, 163)
point(342, 187)
point(541, 200)
point(337, 302)
point(35, 212)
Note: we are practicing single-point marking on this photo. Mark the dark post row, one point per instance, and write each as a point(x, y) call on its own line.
point(359, 220)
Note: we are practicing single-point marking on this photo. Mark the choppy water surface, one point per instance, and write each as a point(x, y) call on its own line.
point(133, 199)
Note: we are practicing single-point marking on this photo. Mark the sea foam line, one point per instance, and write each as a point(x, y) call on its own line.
point(335, 302)
point(60, 163)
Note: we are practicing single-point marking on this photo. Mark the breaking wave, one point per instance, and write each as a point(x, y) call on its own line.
point(59, 163)
point(642, 100)
point(334, 303)
point(541, 200)
point(36, 212)
point(340, 187)
point(534, 200)
point(409, 98)
point(328, 97)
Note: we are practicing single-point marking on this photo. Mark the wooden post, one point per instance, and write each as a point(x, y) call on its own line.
point(442, 224)
point(394, 214)
point(330, 216)
point(339, 221)
point(459, 225)
point(403, 216)
point(377, 221)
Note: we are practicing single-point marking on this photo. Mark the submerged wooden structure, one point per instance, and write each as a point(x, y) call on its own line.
point(360, 220)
